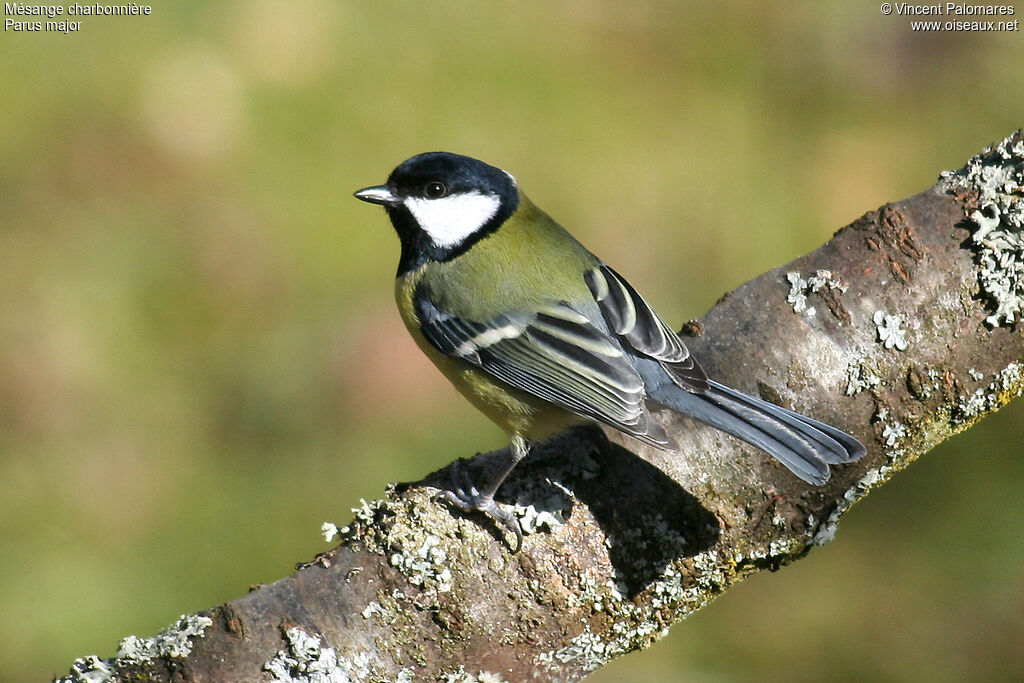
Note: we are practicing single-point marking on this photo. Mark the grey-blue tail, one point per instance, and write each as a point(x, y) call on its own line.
point(804, 445)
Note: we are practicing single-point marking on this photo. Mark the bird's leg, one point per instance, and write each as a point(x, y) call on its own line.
point(468, 498)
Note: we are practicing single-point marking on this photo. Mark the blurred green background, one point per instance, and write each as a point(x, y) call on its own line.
point(199, 357)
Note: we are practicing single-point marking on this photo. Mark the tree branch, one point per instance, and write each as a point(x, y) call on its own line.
point(901, 330)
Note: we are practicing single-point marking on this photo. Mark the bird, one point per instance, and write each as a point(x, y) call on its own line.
point(540, 334)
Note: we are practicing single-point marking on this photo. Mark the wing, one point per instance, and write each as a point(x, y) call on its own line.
point(556, 354)
point(634, 321)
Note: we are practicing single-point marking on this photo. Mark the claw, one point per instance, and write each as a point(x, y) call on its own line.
point(468, 498)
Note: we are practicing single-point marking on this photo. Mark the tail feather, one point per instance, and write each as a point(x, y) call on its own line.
point(804, 445)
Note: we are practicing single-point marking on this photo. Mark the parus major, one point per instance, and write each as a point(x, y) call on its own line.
point(540, 334)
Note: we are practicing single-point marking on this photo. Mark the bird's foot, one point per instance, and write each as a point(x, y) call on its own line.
point(468, 498)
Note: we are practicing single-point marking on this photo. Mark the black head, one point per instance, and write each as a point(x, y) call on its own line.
point(441, 204)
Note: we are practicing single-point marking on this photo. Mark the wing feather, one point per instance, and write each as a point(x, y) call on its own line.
point(633, 320)
point(556, 354)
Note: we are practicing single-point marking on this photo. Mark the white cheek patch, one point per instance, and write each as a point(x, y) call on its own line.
point(450, 220)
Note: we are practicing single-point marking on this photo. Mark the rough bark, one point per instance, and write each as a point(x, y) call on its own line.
point(902, 330)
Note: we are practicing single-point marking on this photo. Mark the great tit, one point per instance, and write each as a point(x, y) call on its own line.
point(540, 334)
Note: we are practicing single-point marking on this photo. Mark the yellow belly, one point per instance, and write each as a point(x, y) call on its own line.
point(515, 411)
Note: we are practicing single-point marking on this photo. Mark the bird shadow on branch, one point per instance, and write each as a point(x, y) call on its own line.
point(647, 519)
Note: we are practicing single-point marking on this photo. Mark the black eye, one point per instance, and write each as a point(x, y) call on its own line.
point(434, 190)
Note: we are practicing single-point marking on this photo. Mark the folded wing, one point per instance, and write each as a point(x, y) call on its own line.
point(556, 354)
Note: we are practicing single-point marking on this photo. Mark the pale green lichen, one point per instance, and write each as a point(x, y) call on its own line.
point(1006, 384)
point(799, 289)
point(89, 669)
point(599, 595)
point(826, 531)
point(893, 433)
point(930, 382)
point(398, 618)
point(775, 554)
point(425, 564)
point(306, 660)
point(173, 642)
point(547, 506)
point(588, 650)
point(411, 531)
point(997, 177)
point(368, 520)
point(330, 531)
point(543, 507)
point(904, 440)
point(890, 330)
point(682, 586)
point(860, 376)
point(367, 512)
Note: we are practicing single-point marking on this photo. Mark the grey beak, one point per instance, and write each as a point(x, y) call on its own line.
point(378, 194)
